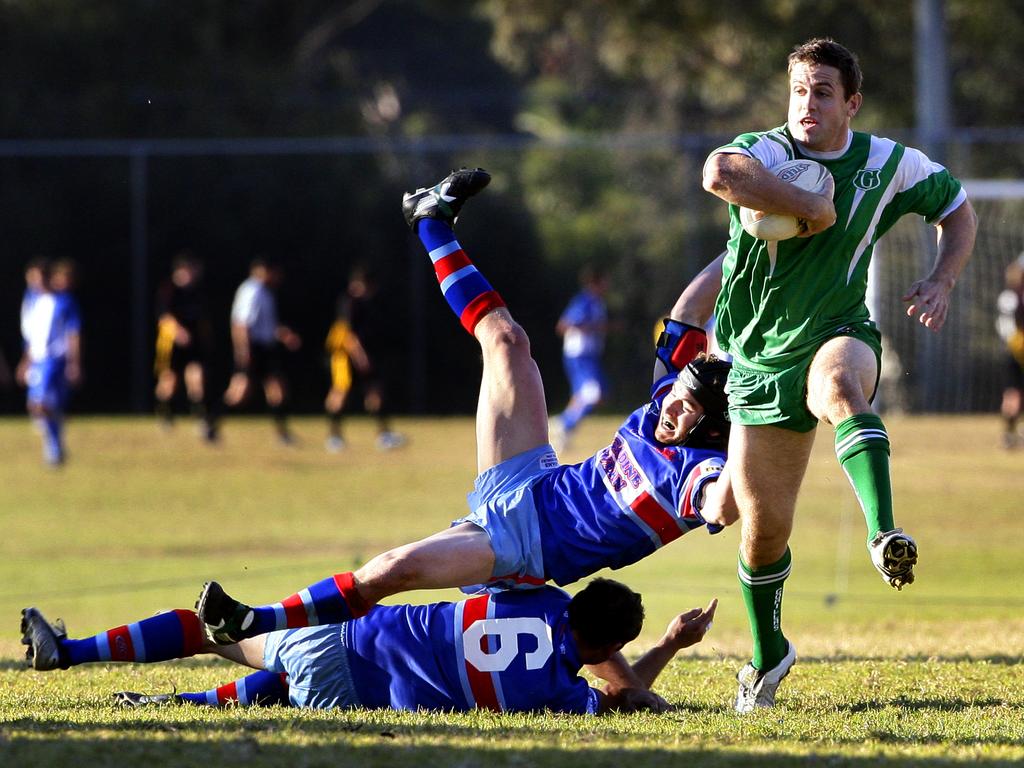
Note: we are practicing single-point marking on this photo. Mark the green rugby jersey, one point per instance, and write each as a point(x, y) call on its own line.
point(781, 300)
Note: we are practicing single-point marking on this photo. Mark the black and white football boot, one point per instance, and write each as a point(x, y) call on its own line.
point(757, 688)
point(445, 199)
point(131, 700)
point(43, 640)
point(225, 620)
point(894, 555)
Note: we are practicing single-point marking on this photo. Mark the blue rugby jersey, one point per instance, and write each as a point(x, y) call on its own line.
point(585, 309)
point(509, 651)
point(630, 498)
point(47, 320)
point(620, 505)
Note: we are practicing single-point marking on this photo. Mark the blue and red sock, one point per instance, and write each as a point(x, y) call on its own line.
point(330, 601)
point(172, 635)
point(467, 291)
point(260, 688)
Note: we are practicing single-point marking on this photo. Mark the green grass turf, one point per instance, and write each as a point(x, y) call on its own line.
point(138, 520)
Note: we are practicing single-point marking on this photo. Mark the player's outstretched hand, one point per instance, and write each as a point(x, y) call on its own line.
point(689, 628)
point(638, 700)
point(929, 300)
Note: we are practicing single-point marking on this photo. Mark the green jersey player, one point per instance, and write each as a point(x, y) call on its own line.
point(793, 315)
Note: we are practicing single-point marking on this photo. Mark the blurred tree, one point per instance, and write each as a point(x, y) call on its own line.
point(660, 68)
point(612, 87)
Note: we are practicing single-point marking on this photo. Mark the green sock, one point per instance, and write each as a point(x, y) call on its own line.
point(762, 594)
point(862, 447)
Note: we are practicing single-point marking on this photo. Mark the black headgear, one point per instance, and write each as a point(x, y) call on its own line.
point(705, 378)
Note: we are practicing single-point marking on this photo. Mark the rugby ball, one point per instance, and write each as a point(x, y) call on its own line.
point(806, 174)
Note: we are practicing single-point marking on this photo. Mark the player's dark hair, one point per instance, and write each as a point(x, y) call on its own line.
point(606, 612)
point(40, 263)
point(590, 274)
point(826, 51)
point(65, 267)
point(185, 259)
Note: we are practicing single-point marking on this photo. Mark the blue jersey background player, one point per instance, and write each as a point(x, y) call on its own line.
point(514, 651)
point(50, 327)
point(582, 326)
point(532, 519)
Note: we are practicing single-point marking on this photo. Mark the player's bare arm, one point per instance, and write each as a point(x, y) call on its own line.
point(684, 630)
point(240, 343)
point(720, 507)
point(742, 180)
point(357, 352)
point(288, 337)
point(73, 366)
point(928, 298)
point(696, 303)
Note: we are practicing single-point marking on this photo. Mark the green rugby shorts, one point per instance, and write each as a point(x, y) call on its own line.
point(779, 397)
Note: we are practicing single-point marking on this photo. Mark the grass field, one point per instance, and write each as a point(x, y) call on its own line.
point(139, 519)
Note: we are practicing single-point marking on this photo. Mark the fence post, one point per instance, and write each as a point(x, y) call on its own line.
point(139, 171)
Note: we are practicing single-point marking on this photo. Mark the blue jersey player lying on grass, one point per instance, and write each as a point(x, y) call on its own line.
point(512, 651)
point(531, 519)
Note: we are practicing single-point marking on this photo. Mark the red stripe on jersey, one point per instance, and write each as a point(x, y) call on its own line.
point(226, 693)
point(516, 578)
point(475, 609)
point(657, 517)
point(691, 482)
point(295, 612)
point(478, 307)
point(119, 639)
point(192, 635)
point(453, 262)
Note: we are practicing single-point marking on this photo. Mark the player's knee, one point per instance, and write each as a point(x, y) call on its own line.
point(507, 342)
point(758, 552)
point(762, 544)
point(835, 395)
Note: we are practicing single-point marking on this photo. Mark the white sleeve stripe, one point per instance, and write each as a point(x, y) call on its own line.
point(959, 200)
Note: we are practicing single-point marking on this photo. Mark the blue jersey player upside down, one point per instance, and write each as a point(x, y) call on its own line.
point(531, 519)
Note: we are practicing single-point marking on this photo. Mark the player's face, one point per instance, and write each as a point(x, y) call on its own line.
point(679, 413)
point(819, 113)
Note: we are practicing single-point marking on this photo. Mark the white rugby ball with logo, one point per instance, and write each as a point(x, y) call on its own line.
point(806, 174)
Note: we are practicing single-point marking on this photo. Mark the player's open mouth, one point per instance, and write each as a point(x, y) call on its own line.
point(808, 121)
point(666, 424)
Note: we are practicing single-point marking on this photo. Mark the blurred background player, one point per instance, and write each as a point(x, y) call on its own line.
point(35, 283)
point(582, 326)
point(1010, 325)
point(258, 340)
point(50, 326)
point(356, 346)
point(183, 344)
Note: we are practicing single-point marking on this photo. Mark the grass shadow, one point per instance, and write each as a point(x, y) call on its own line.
point(389, 749)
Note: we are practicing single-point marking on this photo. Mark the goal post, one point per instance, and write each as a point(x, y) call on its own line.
point(960, 368)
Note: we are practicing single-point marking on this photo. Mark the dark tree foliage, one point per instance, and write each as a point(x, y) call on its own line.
point(567, 74)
